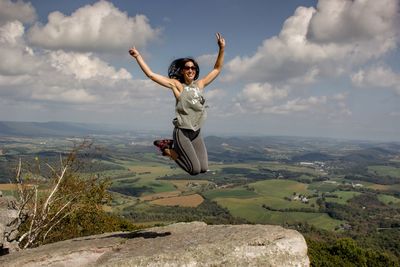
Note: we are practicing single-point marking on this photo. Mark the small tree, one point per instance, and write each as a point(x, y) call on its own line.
point(63, 194)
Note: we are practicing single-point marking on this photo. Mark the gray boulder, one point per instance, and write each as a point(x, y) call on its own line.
point(8, 224)
point(180, 244)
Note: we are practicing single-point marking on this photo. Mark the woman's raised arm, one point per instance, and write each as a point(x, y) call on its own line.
point(218, 64)
point(161, 80)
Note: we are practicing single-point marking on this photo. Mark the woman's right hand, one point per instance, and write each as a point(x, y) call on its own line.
point(134, 52)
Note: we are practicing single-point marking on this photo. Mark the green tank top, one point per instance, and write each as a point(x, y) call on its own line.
point(190, 108)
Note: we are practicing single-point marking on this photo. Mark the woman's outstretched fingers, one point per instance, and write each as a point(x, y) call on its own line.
point(133, 52)
point(220, 39)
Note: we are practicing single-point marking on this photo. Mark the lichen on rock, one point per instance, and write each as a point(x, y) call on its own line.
point(179, 244)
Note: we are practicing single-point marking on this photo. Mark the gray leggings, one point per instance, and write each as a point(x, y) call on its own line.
point(191, 150)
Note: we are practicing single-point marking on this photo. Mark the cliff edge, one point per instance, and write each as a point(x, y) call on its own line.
point(180, 244)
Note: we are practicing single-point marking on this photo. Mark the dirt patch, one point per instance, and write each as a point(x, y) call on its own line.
point(12, 187)
point(379, 187)
point(8, 187)
point(160, 195)
point(183, 201)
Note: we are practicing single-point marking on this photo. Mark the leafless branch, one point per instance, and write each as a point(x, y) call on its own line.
point(54, 224)
point(51, 168)
point(60, 177)
point(60, 210)
point(34, 214)
point(59, 201)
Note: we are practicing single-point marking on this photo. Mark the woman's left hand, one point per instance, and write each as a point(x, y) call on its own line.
point(134, 52)
point(221, 40)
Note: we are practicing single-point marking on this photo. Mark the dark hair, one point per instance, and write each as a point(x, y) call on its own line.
point(175, 69)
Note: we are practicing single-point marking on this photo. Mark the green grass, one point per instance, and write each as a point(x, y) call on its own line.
point(306, 177)
point(113, 173)
point(120, 201)
point(249, 205)
point(160, 186)
point(256, 166)
point(238, 192)
point(385, 171)
point(274, 191)
point(324, 186)
point(146, 174)
point(279, 188)
point(219, 167)
point(343, 196)
point(141, 174)
point(388, 200)
point(255, 213)
point(392, 187)
point(280, 166)
point(8, 193)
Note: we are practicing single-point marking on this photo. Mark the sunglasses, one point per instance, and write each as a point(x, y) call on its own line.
point(189, 68)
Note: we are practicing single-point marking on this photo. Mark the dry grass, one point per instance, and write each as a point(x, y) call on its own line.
point(160, 195)
point(183, 201)
point(8, 187)
point(379, 187)
point(13, 187)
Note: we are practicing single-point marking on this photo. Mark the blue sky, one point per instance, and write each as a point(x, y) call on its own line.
point(325, 68)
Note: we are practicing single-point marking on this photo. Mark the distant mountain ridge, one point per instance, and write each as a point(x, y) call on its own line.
point(33, 129)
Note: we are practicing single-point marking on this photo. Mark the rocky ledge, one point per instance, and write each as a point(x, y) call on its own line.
point(8, 224)
point(180, 244)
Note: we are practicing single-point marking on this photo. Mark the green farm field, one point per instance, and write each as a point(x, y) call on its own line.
point(237, 192)
point(252, 210)
point(145, 177)
point(325, 186)
point(248, 204)
point(389, 200)
point(261, 180)
point(385, 171)
point(342, 196)
point(382, 187)
point(274, 166)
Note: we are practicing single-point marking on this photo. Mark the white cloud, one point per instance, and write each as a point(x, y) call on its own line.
point(255, 97)
point(59, 94)
point(16, 57)
point(11, 33)
point(308, 77)
point(85, 66)
point(73, 78)
point(327, 41)
point(321, 107)
point(215, 94)
point(298, 105)
point(340, 96)
point(16, 10)
point(58, 86)
point(206, 61)
point(99, 27)
point(50, 81)
point(19, 59)
point(342, 109)
point(264, 93)
point(258, 98)
point(380, 76)
point(351, 21)
point(59, 78)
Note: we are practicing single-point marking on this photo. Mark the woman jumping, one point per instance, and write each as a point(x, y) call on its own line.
point(187, 148)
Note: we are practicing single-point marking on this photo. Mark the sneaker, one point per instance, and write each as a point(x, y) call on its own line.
point(163, 144)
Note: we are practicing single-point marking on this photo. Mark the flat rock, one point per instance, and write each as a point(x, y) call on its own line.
point(180, 244)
